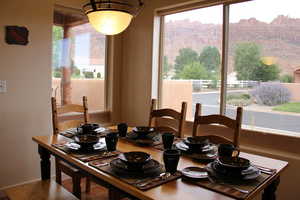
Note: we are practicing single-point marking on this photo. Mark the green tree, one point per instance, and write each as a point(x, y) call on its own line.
point(249, 66)
point(246, 59)
point(98, 75)
point(193, 70)
point(210, 58)
point(186, 56)
point(57, 36)
point(166, 67)
point(265, 73)
point(56, 73)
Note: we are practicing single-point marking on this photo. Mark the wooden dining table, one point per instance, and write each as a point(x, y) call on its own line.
point(175, 190)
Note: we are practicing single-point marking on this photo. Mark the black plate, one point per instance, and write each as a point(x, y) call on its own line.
point(150, 168)
point(217, 170)
point(195, 173)
point(143, 131)
point(208, 155)
point(135, 159)
point(234, 163)
point(144, 141)
point(86, 141)
point(196, 142)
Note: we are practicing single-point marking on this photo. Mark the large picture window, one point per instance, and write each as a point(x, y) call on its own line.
point(261, 63)
point(78, 61)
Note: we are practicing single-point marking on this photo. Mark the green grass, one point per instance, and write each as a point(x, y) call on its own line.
point(288, 107)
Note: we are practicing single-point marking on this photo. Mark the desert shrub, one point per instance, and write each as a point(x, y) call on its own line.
point(88, 74)
point(286, 78)
point(242, 96)
point(239, 102)
point(271, 94)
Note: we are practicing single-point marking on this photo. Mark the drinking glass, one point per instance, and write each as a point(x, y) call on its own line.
point(167, 139)
point(122, 128)
point(111, 140)
point(171, 159)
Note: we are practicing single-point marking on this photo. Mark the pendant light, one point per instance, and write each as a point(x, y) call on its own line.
point(111, 17)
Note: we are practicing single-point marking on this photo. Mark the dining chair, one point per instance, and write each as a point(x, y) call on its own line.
point(60, 125)
point(179, 117)
point(234, 124)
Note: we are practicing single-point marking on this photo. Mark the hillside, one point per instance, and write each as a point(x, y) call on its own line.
point(280, 38)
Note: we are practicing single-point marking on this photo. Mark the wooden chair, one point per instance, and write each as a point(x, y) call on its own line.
point(167, 112)
point(59, 126)
point(37, 190)
point(219, 119)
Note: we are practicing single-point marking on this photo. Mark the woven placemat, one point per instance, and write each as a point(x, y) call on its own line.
point(86, 156)
point(232, 187)
point(147, 141)
point(150, 182)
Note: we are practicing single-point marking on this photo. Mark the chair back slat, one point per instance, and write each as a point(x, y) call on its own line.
point(69, 124)
point(70, 108)
point(167, 112)
point(57, 112)
point(219, 119)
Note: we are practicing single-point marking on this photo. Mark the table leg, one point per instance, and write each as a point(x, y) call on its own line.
point(270, 191)
point(45, 162)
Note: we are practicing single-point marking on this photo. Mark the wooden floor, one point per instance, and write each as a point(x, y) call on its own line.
point(97, 192)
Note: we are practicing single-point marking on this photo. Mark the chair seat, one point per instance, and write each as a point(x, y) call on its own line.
point(68, 169)
point(39, 190)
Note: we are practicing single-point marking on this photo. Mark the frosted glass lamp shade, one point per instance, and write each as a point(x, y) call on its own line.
point(109, 22)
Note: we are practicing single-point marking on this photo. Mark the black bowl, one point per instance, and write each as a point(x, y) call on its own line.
point(196, 143)
point(234, 163)
point(86, 141)
point(88, 128)
point(143, 131)
point(135, 159)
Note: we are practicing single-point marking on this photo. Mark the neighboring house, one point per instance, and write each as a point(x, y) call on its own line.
point(297, 75)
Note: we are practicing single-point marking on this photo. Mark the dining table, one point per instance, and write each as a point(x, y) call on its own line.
point(176, 190)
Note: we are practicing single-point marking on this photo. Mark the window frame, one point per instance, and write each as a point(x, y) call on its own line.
point(159, 18)
point(107, 77)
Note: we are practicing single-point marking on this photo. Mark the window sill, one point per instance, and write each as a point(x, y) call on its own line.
point(254, 129)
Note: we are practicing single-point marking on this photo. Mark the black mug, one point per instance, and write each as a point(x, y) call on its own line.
point(228, 150)
point(171, 159)
point(111, 140)
point(122, 128)
point(167, 139)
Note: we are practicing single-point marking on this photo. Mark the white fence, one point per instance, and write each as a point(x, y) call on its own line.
point(202, 84)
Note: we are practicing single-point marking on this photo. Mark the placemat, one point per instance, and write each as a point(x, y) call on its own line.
point(150, 182)
point(200, 157)
point(86, 156)
point(132, 138)
point(231, 188)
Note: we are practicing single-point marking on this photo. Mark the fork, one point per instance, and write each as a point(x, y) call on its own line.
point(229, 186)
point(162, 176)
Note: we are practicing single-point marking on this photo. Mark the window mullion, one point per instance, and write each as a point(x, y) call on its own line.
point(224, 66)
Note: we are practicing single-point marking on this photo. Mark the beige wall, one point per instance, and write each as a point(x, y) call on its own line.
point(25, 108)
point(93, 89)
point(294, 88)
point(175, 92)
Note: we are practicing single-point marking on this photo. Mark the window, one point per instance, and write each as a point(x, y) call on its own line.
point(78, 61)
point(261, 63)
point(192, 60)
